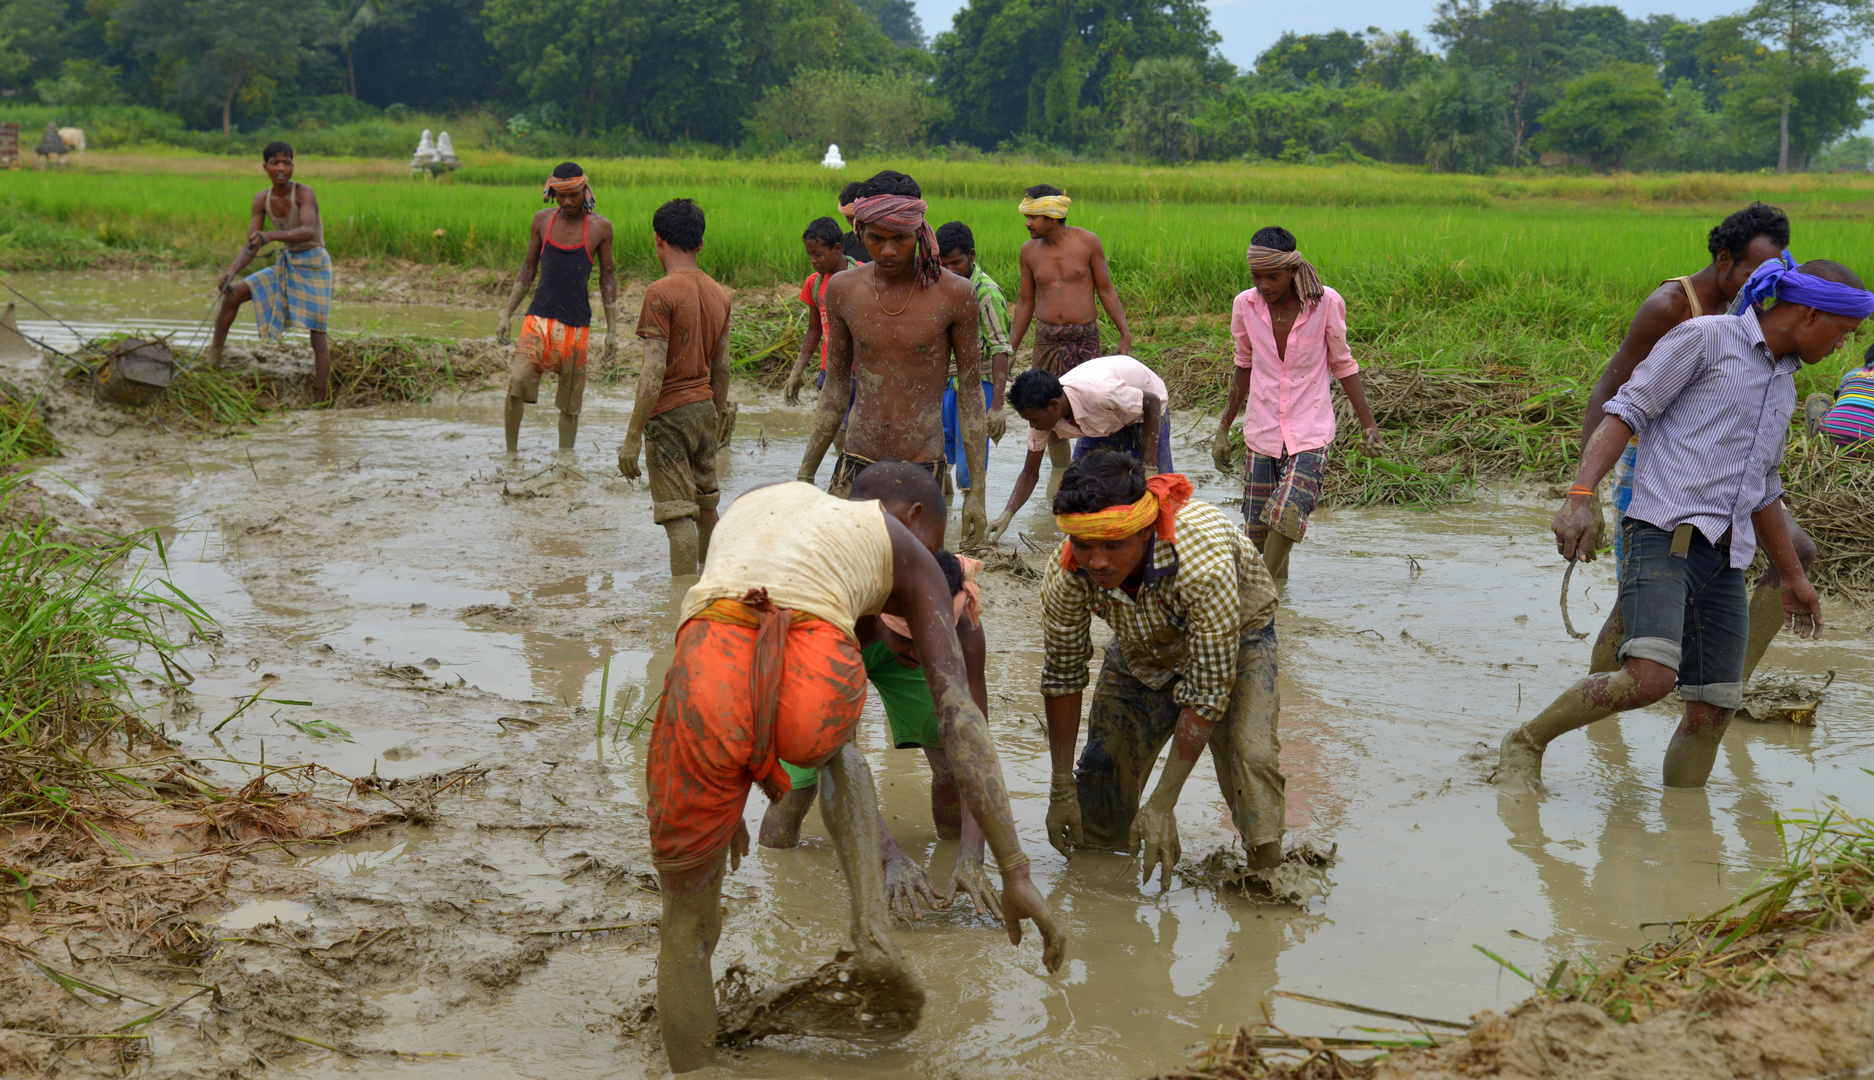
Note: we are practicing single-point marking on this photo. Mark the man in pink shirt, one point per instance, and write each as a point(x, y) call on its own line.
point(1108, 403)
point(1291, 343)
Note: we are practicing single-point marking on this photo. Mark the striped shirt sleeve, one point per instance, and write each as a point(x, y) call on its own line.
point(1659, 379)
point(1067, 622)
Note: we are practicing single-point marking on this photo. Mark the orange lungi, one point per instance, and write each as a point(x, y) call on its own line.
point(707, 747)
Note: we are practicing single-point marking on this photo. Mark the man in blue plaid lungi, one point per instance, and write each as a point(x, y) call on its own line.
point(297, 289)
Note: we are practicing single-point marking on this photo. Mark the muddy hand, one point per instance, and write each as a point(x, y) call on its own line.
point(738, 845)
point(1001, 526)
point(1021, 900)
point(790, 392)
point(611, 346)
point(975, 519)
point(998, 426)
point(1574, 532)
point(908, 890)
point(1373, 442)
point(1802, 608)
point(1155, 829)
point(628, 457)
point(502, 329)
point(1223, 449)
point(970, 880)
point(1064, 830)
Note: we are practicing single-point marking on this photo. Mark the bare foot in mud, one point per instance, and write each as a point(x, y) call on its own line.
point(846, 999)
point(1519, 762)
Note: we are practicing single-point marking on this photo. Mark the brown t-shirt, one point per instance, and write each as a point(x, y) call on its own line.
point(687, 311)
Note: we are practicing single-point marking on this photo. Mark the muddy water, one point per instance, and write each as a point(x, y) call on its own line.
point(336, 546)
point(76, 306)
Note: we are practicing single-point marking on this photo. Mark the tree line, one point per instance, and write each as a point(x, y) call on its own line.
point(1489, 84)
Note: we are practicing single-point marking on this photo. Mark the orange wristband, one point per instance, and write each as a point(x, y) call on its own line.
point(1577, 490)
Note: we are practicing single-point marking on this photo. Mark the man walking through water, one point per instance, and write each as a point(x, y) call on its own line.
point(1711, 404)
point(1192, 661)
point(297, 289)
point(1739, 245)
point(892, 327)
point(562, 245)
point(683, 388)
point(1063, 274)
point(767, 670)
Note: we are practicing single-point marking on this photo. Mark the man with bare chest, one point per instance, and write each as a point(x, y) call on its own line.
point(563, 244)
point(892, 327)
point(1063, 273)
point(297, 289)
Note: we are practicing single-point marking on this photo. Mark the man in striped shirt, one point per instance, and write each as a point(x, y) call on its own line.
point(1192, 661)
point(1712, 404)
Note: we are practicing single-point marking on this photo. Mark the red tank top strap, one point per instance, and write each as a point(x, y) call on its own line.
point(585, 229)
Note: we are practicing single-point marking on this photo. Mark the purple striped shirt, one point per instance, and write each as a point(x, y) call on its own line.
point(1711, 405)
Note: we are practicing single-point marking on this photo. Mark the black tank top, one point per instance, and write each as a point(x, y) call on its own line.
point(561, 294)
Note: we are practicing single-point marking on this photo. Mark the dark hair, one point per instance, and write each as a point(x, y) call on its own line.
point(1273, 236)
point(899, 482)
point(1102, 479)
point(1033, 389)
point(275, 149)
point(953, 570)
point(1042, 191)
point(566, 170)
point(849, 192)
point(825, 232)
point(1735, 233)
point(1830, 270)
point(678, 223)
point(890, 183)
point(954, 236)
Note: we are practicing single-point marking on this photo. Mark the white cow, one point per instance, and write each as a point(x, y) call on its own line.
point(74, 139)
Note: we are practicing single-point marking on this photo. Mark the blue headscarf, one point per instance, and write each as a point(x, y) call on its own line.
point(1780, 280)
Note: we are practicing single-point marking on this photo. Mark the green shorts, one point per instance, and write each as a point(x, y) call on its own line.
point(910, 715)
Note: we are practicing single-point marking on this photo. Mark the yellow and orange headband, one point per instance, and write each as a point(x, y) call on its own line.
point(1165, 495)
point(557, 186)
point(1054, 206)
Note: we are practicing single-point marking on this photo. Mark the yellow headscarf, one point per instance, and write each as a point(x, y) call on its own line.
point(1054, 206)
point(1165, 495)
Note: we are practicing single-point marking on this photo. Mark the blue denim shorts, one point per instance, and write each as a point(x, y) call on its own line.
point(1689, 613)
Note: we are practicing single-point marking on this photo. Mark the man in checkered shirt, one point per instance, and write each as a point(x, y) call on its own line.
point(1192, 662)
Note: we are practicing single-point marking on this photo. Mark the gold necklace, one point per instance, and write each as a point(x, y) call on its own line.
point(880, 298)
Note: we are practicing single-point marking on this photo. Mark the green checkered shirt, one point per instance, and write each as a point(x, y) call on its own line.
point(992, 319)
point(1199, 597)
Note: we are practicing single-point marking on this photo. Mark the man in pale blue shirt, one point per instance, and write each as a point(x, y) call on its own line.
point(1712, 403)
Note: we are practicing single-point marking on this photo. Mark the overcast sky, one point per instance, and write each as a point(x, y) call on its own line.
point(1248, 27)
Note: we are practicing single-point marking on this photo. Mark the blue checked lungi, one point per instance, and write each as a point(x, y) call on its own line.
point(1623, 498)
point(295, 291)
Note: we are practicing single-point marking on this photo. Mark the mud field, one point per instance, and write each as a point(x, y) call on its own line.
point(455, 612)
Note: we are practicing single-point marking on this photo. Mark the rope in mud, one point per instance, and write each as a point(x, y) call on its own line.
point(1567, 622)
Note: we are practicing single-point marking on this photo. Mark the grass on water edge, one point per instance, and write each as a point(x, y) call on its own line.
point(1825, 885)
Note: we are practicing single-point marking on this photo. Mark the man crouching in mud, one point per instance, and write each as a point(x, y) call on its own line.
point(894, 669)
point(767, 670)
point(297, 289)
point(1711, 404)
point(1192, 660)
point(892, 326)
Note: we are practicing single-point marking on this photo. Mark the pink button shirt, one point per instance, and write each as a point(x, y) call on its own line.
point(1291, 404)
point(1105, 394)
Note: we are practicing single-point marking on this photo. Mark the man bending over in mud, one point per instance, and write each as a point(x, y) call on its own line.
point(683, 388)
point(1063, 273)
point(768, 670)
point(1711, 404)
point(1191, 661)
point(562, 244)
point(893, 325)
point(1739, 245)
point(297, 289)
point(908, 494)
point(1111, 403)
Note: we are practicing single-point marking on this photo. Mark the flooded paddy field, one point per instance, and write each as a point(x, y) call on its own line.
point(455, 613)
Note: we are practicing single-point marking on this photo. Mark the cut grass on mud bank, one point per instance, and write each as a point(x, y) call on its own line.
point(1779, 983)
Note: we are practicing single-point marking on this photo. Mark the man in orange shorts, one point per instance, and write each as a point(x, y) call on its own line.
point(562, 246)
point(768, 670)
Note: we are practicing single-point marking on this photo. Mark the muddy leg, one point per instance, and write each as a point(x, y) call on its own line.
point(949, 487)
point(851, 816)
point(1639, 682)
point(1607, 645)
point(1275, 551)
point(682, 534)
point(686, 997)
point(1060, 455)
point(321, 365)
point(512, 418)
point(1694, 747)
point(946, 802)
point(1766, 618)
point(780, 826)
point(231, 301)
point(569, 430)
point(839, 442)
point(1247, 753)
point(705, 528)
